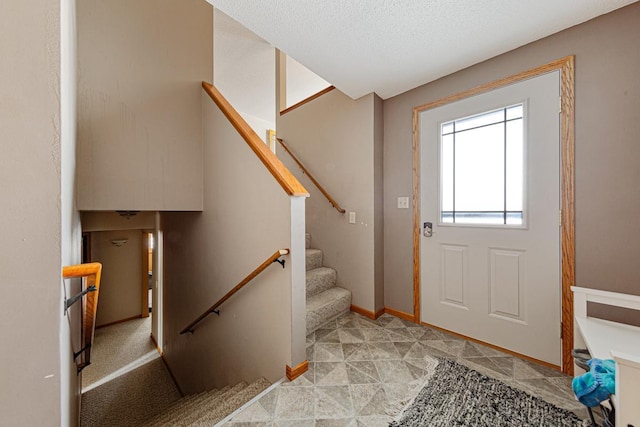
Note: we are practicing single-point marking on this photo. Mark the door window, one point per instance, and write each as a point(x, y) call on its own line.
point(482, 168)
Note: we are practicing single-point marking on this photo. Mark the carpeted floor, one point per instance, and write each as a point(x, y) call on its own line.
point(117, 346)
point(127, 381)
point(129, 399)
point(455, 395)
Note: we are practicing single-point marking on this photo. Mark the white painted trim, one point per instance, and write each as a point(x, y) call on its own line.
point(608, 298)
point(298, 282)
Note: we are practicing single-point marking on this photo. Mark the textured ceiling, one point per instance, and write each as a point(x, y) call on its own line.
point(391, 46)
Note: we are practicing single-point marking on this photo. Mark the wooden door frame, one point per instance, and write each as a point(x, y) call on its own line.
point(144, 291)
point(567, 179)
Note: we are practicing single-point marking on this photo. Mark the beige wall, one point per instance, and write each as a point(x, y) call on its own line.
point(246, 218)
point(105, 221)
point(30, 252)
point(120, 284)
point(335, 137)
point(71, 239)
point(244, 72)
point(607, 151)
point(301, 82)
point(140, 126)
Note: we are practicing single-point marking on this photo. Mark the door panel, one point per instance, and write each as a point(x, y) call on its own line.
point(507, 283)
point(496, 283)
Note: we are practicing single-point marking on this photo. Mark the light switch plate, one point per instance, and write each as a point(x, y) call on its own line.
point(352, 217)
point(403, 203)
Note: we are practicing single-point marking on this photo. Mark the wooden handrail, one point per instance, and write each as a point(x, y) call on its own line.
point(273, 258)
point(92, 272)
point(307, 100)
point(279, 171)
point(315, 182)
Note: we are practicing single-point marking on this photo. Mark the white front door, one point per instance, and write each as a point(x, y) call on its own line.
point(490, 188)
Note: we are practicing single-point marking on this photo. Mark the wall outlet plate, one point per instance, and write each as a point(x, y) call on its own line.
point(403, 203)
point(352, 217)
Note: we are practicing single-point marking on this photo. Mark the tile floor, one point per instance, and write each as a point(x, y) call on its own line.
point(362, 372)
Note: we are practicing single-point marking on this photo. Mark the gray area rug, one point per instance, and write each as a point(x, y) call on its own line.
point(458, 396)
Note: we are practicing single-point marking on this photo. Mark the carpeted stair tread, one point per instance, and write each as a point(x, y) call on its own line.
point(327, 305)
point(229, 405)
point(313, 258)
point(319, 280)
point(176, 407)
point(307, 240)
point(208, 405)
point(187, 406)
point(180, 414)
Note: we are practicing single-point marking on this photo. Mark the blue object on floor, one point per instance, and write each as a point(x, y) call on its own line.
point(596, 385)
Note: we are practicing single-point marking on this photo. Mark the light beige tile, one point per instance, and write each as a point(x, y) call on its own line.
point(416, 351)
point(331, 373)
point(523, 370)
point(393, 371)
point(369, 399)
point(362, 372)
point(343, 422)
point(328, 352)
point(350, 335)
point(333, 402)
point(296, 423)
point(254, 413)
point(374, 421)
point(328, 335)
point(375, 335)
point(383, 351)
point(367, 323)
point(295, 403)
point(356, 351)
point(404, 347)
point(400, 334)
point(394, 323)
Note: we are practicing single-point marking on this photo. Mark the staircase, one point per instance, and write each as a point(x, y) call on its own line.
point(209, 407)
point(325, 300)
point(147, 396)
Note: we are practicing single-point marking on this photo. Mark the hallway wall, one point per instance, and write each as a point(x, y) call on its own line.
point(140, 123)
point(120, 285)
point(340, 141)
point(246, 218)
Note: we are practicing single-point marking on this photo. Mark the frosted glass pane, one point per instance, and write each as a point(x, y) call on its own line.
point(480, 120)
point(446, 173)
point(479, 170)
point(515, 112)
point(514, 218)
point(480, 218)
point(515, 165)
point(447, 128)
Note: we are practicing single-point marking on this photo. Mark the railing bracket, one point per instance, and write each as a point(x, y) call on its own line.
point(82, 366)
point(216, 312)
point(280, 261)
point(78, 353)
point(69, 302)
